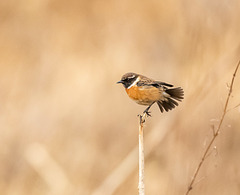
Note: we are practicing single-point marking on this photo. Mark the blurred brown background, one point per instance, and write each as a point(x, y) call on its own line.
point(67, 128)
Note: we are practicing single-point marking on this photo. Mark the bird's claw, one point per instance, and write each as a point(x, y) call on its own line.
point(147, 113)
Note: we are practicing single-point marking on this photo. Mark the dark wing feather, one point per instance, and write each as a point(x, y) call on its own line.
point(165, 84)
point(146, 81)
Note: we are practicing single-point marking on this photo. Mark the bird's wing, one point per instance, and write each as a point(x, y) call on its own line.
point(144, 81)
point(163, 83)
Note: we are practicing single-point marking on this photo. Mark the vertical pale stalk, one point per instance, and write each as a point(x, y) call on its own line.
point(141, 187)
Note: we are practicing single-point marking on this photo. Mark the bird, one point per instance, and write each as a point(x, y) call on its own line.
point(146, 91)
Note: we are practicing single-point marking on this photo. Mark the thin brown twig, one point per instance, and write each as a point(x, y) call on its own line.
point(216, 133)
point(233, 107)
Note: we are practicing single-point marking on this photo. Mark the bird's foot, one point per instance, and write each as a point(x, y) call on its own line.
point(147, 113)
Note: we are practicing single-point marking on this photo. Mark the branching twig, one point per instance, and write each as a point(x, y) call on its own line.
point(215, 134)
point(141, 187)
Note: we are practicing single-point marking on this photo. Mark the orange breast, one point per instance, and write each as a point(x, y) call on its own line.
point(145, 95)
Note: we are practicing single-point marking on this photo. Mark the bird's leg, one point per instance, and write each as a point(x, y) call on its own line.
point(146, 111)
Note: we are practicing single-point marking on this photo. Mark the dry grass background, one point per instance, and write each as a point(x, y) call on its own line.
point(65, 124)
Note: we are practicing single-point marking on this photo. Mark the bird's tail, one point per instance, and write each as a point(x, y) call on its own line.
point(170, 102)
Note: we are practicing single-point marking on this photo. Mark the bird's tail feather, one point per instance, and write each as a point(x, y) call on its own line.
point(170, 103)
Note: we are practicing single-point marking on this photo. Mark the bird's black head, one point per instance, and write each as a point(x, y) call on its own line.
point(128, 79)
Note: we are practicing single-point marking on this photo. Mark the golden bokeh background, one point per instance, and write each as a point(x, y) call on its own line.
point(67, 128)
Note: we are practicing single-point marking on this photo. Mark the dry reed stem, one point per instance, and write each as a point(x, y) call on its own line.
point(128, 165)
point(215, 134)
point(141, 186)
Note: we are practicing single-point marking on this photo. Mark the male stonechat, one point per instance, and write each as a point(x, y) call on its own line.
point(146, 91)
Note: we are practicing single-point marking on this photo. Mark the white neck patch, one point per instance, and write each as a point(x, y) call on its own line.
point(134, 83)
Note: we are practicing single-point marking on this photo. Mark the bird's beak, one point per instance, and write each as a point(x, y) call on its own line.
point(119, 82)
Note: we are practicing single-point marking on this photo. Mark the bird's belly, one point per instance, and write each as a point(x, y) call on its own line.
point(144, 95)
